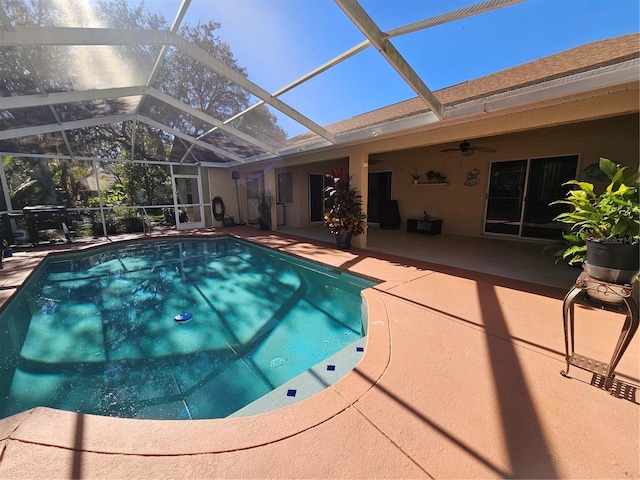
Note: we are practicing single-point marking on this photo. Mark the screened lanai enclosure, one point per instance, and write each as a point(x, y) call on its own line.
point(115, 115)
point(114, 111)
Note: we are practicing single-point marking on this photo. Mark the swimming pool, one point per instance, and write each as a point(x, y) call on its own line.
point(95, 331)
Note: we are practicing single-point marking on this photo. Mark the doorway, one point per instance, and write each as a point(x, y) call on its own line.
point(187, 201)
point(520, 192)
point(317, 207)
point(379, 192)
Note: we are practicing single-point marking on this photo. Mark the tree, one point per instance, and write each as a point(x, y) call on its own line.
point(144, 184)
point(191, 82)
point(180, 76)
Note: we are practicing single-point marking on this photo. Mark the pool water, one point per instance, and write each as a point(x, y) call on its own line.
point(95, 332)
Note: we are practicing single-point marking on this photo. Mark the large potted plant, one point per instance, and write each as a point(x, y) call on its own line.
point(345, 217)
point(605, 227)
point(265, 205)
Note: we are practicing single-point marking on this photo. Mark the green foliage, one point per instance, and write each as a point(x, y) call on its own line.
point(265, 204)
point(144, 184)
point(112, 197)
point(614, 213)
point(45, 182)
point(346, 205)
point(117, 220)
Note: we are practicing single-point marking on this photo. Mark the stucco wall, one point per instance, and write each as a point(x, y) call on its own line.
point(462, 207)
point(220, 184)
point(297, 212)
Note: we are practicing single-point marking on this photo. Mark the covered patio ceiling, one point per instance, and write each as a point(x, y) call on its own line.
point(82, 82)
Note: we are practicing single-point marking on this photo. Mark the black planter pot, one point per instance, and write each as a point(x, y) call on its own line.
point(612, 262)
point(343, 240)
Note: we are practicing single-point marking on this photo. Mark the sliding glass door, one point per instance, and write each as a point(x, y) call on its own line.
point(520, 192)
point(546, 176)
point(317, 205)
point(505, 197)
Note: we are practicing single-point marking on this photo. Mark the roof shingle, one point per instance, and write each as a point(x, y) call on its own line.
point(570, 62)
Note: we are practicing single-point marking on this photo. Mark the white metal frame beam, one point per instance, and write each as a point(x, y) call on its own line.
point(96, 121)
point(451, 16)
point(67, 36)
point(71, 97)
point(26, 101)
point(381, 39)
point(368, 27)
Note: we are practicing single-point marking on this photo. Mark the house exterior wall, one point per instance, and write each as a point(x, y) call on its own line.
point(594, 124)
point(462, 207)
point(220, 184)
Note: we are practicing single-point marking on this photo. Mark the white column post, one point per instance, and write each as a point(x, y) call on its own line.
point(270, 184)
point(359, 169)
point(104, 222)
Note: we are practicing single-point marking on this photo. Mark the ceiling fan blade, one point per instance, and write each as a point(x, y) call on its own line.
point(484, 149)
point(466, 147)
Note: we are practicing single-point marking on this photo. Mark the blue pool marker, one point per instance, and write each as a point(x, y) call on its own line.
point(183, 317)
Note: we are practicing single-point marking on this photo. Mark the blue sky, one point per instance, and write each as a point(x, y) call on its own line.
point(278, 41)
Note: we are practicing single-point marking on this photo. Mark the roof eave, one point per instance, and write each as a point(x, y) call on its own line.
point(519, 99)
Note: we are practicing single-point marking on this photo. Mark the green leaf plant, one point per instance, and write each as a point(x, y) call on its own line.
point(612, 216)
point(345, 213)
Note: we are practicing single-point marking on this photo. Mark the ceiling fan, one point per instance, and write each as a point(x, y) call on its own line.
point(467, 150)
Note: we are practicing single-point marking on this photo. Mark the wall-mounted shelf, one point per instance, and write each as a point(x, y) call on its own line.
point(430, 184)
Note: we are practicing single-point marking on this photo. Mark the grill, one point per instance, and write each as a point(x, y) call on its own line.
point(45, 217)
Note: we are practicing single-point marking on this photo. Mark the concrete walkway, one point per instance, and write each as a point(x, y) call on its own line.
point(460, 379)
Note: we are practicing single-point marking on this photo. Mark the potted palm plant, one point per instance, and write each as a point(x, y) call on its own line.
point(345, 218)
point(605, 227)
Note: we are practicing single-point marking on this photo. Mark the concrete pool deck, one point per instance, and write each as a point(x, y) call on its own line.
point(459, 379)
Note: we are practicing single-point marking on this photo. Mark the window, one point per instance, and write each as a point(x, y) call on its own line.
point(285, 187)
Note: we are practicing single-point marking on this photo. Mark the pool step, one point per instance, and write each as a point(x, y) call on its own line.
point(308, 383)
